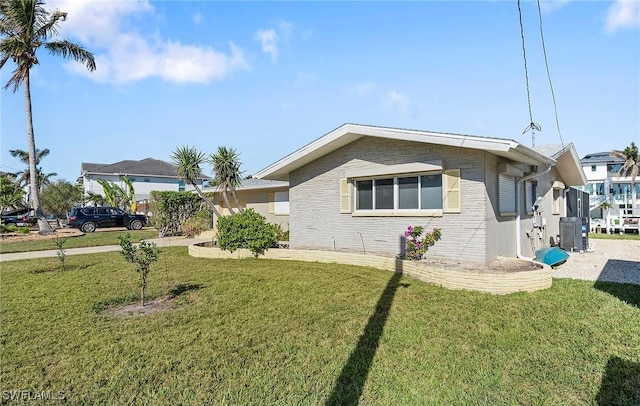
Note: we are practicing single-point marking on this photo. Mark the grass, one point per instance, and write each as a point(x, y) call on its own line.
point(604, 236)
point(266, 332)
point(86, 240)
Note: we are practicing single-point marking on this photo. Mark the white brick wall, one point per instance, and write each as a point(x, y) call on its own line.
point(316, 222)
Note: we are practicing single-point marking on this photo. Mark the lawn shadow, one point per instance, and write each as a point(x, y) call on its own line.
point(620, 383)
point(349, 385)
point(621, 271)
point(626, 292)
point(183, 288)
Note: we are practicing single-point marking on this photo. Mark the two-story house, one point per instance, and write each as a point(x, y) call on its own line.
point(146, 175)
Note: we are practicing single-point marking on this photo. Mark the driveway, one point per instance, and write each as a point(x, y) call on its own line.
point(610, 261)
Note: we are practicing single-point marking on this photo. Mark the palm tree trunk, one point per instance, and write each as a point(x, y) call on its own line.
point(211, 204)
point(43, 225)
point(226, 200)
point(235, 198)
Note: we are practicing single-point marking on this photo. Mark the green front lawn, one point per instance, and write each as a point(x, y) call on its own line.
point(604, 236)
point(283, 332)
point(107, 237)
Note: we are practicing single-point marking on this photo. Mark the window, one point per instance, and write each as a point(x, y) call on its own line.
point(614, 168)
point(384, 194)
point(181, 186)
point(405, 193)
point(530, 195)
point(507, 195)
point(593, 168)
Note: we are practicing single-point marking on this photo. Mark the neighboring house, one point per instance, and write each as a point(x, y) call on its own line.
point(358, 187)
point(605, 184)
point(146, 175)
point(267, 197)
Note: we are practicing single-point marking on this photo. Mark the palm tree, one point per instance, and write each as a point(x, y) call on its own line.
point(630, 168)
point(96, 198)
point(24, 176)
point(25, 26)
point(226, 171)
point(189, 161)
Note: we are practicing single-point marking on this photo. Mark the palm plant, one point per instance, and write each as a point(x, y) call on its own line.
point(25, 27)
point(226, 171)
point(116, 195)
point(24, 176)
point(630, 168)
point(95, 198)
point(189, 161)
point(11, 194)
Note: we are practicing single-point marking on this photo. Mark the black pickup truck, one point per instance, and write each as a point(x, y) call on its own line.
point(20, 217)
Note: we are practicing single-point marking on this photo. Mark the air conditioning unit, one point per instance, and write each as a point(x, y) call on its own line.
point(574, 233)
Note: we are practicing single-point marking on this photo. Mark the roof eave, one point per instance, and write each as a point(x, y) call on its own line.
point(350, 132)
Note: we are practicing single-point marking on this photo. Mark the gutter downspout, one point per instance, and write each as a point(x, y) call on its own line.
point(518, 209)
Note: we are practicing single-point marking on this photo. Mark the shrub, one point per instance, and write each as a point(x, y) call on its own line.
point(416, 246)
point(12, 228)
point(194, 226)
point(248, 230)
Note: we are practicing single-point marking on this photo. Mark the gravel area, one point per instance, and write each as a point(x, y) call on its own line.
point(610, 260)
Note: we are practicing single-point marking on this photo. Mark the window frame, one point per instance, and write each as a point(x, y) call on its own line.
point(396, 210)
point(505, 211)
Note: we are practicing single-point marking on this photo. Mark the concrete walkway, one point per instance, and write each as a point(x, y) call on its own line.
point(160, 242)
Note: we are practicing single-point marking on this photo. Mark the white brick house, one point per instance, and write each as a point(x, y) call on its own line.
point(358, 187)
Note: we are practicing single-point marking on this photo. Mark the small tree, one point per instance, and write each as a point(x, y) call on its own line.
point(143, 255)
point(248, 230)
point(59, 197)
point(62, 254)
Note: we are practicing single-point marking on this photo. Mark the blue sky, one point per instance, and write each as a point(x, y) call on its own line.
point(269, 77)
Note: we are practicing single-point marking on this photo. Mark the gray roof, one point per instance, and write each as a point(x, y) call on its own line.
point(600, 157)
point(552, 150)
point(148, 166)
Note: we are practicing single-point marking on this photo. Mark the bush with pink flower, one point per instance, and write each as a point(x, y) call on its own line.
point(417, 245)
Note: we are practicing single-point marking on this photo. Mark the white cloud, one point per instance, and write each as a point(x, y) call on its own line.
point(398, 101)
point(623, 14)
point(125, 55)
point(273, 38)
point(269, 41)
point(362, 89)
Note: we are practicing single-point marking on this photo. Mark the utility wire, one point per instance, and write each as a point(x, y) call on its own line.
point(532, 126)
point(546, 63)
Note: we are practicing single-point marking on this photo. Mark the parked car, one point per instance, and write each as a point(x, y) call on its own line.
point(20, 217)
point(88, 219)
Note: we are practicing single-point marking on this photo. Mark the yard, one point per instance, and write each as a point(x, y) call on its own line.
point(284, 332)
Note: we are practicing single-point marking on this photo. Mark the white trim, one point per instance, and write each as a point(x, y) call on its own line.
point(348, 133)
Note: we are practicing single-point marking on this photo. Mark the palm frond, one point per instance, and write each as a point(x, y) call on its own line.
point(69, 50)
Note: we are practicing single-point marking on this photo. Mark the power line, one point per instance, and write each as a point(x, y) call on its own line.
point(546, 63)
point(532, 126)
